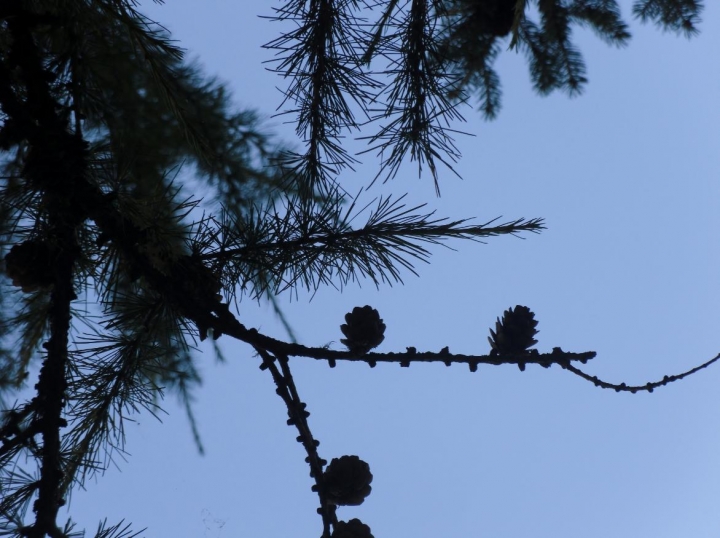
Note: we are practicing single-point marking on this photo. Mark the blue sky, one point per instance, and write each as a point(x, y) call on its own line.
point(626, 178)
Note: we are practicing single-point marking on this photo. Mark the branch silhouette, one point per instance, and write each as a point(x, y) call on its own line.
point(97, 108)
point(648, 387)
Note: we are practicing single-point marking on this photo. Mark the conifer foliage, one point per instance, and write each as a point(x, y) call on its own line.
point(99, 109)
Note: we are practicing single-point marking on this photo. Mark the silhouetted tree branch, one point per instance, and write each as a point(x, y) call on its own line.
point(99, 108)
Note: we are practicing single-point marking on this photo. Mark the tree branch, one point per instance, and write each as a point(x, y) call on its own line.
point(56, 162)
point(648, 387)
point(298, 417)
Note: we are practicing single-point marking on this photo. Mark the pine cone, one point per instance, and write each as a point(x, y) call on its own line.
point(503, 17)
point(351, 529)
point(515, 333)
point(363, 329)
point(347, 481)
point(29, 265)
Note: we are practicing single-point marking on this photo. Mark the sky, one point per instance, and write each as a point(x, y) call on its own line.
point(626, 178)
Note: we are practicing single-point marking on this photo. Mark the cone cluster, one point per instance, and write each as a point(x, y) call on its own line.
point(351, 529)
point(29, 265)
point(515, 334)
point(495, 17)
point(347, 481)
point(363, 329)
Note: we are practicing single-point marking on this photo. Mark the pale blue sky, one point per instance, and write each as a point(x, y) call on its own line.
point(626, 178)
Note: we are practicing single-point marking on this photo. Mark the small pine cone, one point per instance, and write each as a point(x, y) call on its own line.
point(347, 481)
point(29, 265)
point(363, 330)
point(503, 18)
point(201, 280)
point(351, 529)
point(515, 334)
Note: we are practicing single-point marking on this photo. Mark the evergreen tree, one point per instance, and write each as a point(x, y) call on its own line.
point(99, 111)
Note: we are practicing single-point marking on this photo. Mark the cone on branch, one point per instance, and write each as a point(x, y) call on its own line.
point(515, 334)
point(347, 481)
point(363, 329)
point(491, 17)
point(351, 529)
point(29, 265)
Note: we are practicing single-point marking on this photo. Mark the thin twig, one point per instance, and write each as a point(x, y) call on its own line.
point(649, 387)
point(298, 417)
